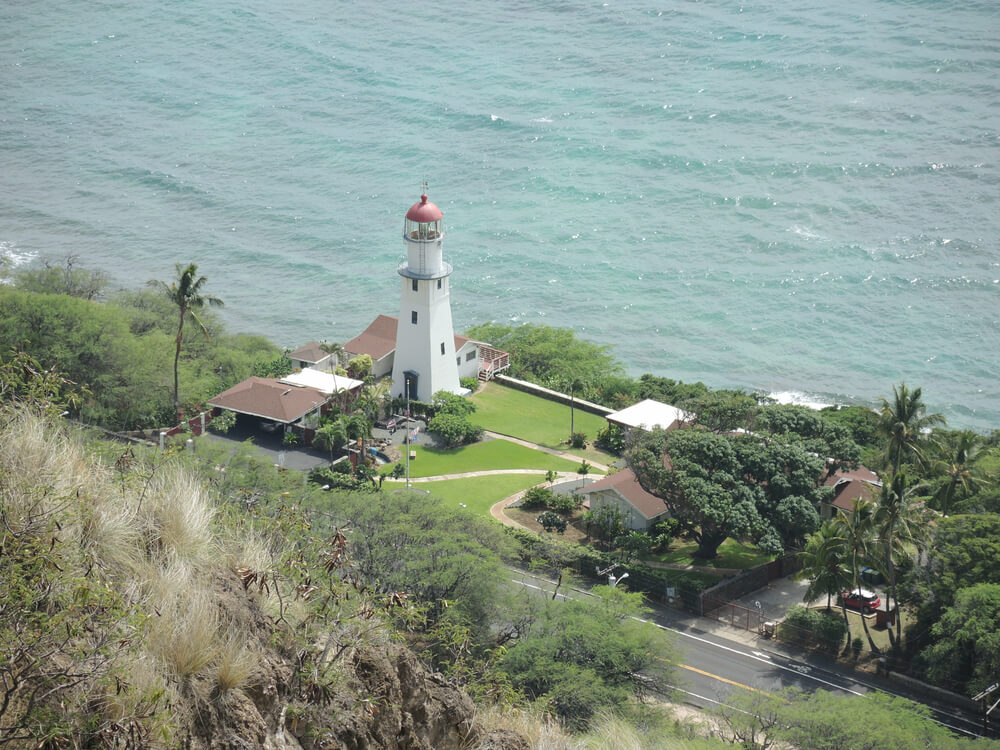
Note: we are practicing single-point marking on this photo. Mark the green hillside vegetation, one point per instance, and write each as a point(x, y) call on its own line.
point(121, 351)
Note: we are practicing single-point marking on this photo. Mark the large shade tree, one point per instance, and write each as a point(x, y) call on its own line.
point(718, 486)
point(187, 296)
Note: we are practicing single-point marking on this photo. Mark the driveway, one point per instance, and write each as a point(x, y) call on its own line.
point(776, 598)
point(269, 445)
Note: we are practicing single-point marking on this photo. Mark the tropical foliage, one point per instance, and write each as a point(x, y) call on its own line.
point(186, 295)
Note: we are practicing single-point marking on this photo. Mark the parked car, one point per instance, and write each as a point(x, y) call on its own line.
point(863, 599)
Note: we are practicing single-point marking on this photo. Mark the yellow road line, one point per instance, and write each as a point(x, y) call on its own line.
point(721, 679)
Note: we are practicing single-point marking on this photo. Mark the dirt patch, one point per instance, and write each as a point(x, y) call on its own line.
point(527, 518)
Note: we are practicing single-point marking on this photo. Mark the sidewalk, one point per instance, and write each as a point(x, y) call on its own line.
point(543, 449)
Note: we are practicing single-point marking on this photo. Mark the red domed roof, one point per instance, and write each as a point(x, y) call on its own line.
point(424, 211)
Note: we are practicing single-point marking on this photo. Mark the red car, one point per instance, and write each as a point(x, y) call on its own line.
point(863, 599)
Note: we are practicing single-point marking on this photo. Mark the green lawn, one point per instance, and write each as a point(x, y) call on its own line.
point(512, 412)
point(478, 493)
point(483, 456)
point(732, 554)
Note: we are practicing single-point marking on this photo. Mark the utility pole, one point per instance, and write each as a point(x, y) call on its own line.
point(406, 387)
point(987, 711)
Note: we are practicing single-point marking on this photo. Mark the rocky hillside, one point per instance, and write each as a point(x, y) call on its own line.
point(138, 611)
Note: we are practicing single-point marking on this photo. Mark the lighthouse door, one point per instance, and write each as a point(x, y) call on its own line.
point(411, 384)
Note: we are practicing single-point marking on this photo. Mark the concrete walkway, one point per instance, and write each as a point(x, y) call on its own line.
point(484, 473)
point(543, 449)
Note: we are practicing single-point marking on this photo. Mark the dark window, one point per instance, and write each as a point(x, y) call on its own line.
point(470, 356)
point(439, 283)
point(413, 284)
point(413, 317)
point(442, 347)
point(458, 360)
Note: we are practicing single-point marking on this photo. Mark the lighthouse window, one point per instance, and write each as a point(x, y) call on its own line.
point(439, 283)
point(413, 317)
point(413, 284)
point(442, 347)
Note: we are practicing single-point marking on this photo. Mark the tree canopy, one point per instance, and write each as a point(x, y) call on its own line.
point(718, 486)
point(547, 355)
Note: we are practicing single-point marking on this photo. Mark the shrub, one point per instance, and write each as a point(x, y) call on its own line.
point(223, 423)
point(577, 440)
point(536, 497)
point(469, 384)
point(562, 504)
point(668, 527)
point(444, 402)
point(611, 439)
point(291, 438)
point(455, 430)
point(812, 627)
point(552, 522)
point(334, 477)
point(359, 367)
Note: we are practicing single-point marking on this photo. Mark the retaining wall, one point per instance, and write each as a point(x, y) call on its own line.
point(562, 398)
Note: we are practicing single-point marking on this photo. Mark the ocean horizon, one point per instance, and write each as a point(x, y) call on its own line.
point(794, 198)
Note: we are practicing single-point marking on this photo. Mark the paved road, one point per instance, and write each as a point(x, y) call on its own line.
point(716, 660)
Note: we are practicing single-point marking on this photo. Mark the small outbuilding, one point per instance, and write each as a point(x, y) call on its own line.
point(310, 355)
point(640, 509)
point(649, 415)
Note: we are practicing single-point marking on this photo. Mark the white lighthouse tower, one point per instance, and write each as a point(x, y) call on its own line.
point(424, 362)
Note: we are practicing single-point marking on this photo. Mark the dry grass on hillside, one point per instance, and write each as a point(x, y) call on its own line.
point(119, 568)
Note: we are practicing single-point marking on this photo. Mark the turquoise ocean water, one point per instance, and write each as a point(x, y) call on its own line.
point(793, 196)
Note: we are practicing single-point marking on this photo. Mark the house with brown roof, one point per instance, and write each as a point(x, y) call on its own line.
point(640, 509)
point(848, 486)
point(273, 401)
point(310, 355)
point(379, 341)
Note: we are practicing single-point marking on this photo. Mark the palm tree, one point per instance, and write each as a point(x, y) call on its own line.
point(186, 294)
point(955, 466)
point(903, 423)
point(825, 564)
point(357, 426)
point(856, 526)
point(333, 349)
point(899, 520)
point(331, 436)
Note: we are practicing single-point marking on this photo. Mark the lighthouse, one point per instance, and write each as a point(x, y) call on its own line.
point(424, 362)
